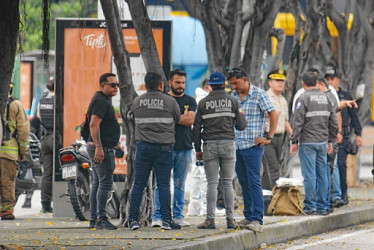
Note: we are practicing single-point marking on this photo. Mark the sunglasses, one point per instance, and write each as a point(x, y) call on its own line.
point(235, 72)
point(113, 85)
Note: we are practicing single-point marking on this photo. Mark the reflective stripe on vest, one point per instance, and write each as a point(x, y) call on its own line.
point(9, 150)
point(217, 115)
point(153, 120)
point(317, 113)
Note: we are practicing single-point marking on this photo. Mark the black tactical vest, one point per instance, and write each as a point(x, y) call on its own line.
point(46, 106)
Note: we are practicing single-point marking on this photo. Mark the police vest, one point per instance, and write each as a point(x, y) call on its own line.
point(46, 107)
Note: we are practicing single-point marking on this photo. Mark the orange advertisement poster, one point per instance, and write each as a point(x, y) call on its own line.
point(87, 55)
point(26, 82)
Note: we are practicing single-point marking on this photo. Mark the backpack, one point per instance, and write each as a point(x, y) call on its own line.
point(286, 201)
point(85, 129)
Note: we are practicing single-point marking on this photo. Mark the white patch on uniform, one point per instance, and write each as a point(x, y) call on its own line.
point(298, 105)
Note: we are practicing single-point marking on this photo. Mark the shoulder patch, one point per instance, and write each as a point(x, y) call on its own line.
point(298, 105)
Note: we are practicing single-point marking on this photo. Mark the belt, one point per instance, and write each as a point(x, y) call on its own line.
point(278, 135)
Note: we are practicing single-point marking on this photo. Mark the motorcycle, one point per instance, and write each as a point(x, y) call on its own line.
point(76, 168)
point(30, 171)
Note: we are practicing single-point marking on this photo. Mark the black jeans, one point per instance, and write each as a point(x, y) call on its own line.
point(102, 181)
point(342, 165)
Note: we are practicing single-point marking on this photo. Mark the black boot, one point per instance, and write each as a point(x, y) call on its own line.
point(46, 207)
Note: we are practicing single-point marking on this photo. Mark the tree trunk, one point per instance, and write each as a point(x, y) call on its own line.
point(127, 92)
point(262, 23)
point(9, 25)
point(147, 44)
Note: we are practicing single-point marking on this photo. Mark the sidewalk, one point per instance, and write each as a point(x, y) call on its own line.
point(42, 231)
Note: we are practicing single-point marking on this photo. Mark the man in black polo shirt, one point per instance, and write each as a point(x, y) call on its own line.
point(104, 137)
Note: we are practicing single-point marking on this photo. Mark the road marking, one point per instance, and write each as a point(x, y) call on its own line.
point(332, 239)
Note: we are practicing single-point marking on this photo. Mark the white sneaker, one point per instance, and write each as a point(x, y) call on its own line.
point(182, 222)
point(156, 223)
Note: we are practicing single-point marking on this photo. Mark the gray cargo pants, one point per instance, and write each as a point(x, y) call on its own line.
point(219, 156)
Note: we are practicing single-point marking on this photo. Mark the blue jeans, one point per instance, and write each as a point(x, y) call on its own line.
point(160, 158)
point(335, 174)
point(313, 158)
point(248, 165)
point(102, 181)
point(182, 162)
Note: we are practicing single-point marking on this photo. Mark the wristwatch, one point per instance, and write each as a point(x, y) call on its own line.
point(268, 137)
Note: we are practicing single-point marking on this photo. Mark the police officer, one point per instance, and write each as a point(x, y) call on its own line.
point(217, 114)
point(271, 160)
point(45, 114)
point(314, 130)
point(349, 119)
point(14, 147)
point(155, 117)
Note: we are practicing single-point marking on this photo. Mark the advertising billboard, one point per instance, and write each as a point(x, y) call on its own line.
point(83, 53)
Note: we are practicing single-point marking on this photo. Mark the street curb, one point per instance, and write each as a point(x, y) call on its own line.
point(281, 231)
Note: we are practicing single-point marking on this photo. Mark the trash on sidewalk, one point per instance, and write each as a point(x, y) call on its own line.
point(288, 182)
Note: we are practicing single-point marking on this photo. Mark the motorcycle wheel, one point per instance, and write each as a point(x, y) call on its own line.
point(112, 206)
point(79, 192)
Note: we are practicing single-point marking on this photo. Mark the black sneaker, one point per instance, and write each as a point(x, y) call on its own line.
point(231, 224)
point(310, 212)
point(134, 225)
point(92, 224)
point(105, 224)
point(338, 203)
point(324, 213)
point(169, 225)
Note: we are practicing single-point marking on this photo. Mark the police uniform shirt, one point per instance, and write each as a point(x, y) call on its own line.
point(155, 117)
point(216, 116)
point(281, 105)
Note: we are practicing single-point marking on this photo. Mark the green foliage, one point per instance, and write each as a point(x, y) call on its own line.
point(31, 19)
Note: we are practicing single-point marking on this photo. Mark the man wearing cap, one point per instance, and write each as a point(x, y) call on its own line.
point(182, 148)
point(256, 105)
point(217, 115)
point(14, 146)
point(349, 119)
point(271, 160)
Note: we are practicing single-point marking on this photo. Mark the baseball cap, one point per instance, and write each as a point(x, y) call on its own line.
point(216, 78)
point(278, 74)
point(330, 71)
point(314, 69)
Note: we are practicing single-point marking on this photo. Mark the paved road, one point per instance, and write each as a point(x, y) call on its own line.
point(358, 237)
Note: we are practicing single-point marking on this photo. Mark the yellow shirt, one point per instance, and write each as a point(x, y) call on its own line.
point(280, 104)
